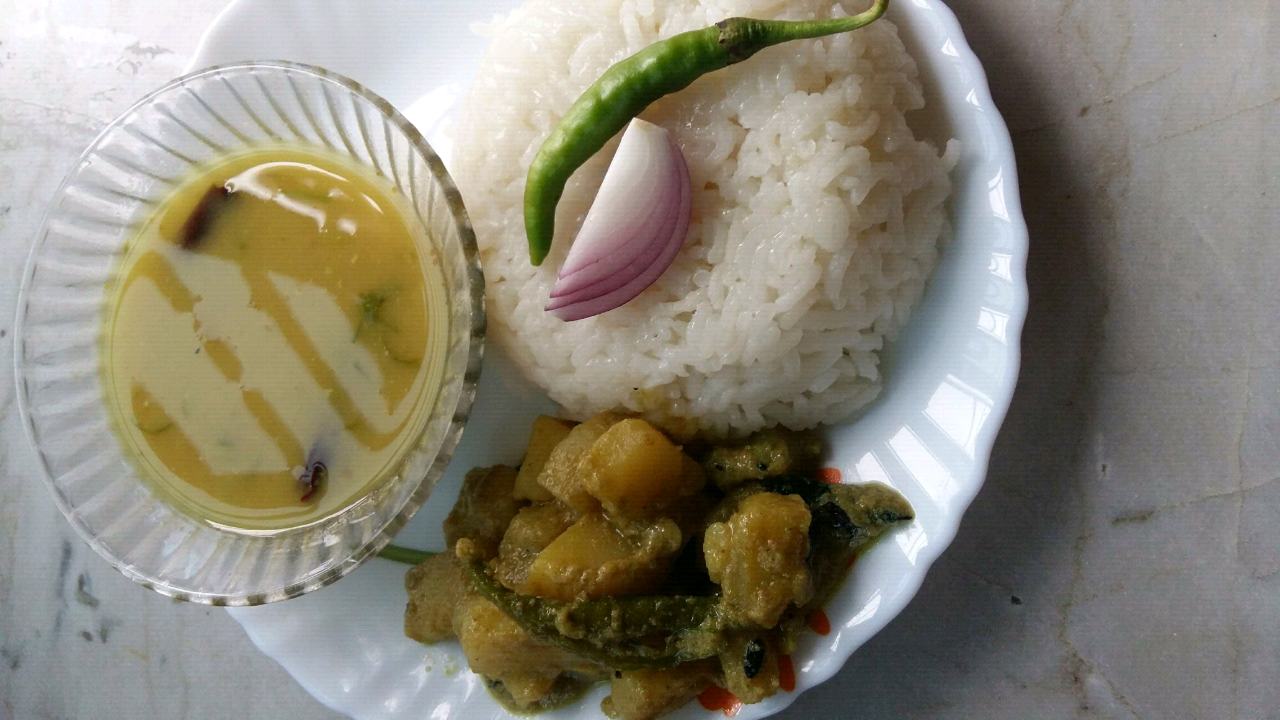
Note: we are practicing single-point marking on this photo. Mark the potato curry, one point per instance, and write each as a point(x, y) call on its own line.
point(612, 553)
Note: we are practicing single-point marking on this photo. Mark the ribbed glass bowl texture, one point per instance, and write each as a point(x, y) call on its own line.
point(131, 167)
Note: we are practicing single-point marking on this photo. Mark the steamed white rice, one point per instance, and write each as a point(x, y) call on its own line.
point(817, 215)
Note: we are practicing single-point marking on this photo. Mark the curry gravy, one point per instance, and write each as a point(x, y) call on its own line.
point(274, 338)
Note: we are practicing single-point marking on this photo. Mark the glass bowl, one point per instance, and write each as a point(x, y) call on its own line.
point(130, 168)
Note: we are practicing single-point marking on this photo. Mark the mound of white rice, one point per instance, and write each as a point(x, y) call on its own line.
point(817, 215)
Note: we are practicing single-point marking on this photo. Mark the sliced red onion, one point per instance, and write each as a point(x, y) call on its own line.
point(634, 229)
point(588, 282)
point(637, 248)
point(639, 170)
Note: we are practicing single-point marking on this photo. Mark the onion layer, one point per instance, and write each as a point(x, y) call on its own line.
point(636, 225)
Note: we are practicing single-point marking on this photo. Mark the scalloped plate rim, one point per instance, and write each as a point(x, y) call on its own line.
point(999, 155)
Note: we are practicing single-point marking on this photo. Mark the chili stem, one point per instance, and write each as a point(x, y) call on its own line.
point(778, 31)
point(405, 555)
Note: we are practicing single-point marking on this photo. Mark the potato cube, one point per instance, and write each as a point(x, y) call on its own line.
point(560, 475)
point(648, 693)
point(593, 558)
point(530, 531)
point(758, 557)
point(485, 505)
point(497, 647)
point(546, 434)
point(435, 587)
point(635, 471)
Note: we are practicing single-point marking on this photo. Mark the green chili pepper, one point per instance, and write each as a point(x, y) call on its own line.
point(628, 87)
point(847, 518)
point(624, 633)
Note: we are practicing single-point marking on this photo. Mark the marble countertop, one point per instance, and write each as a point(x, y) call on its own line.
point(1123, 560)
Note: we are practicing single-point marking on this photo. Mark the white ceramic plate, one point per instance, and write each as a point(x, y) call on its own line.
point(949, 383)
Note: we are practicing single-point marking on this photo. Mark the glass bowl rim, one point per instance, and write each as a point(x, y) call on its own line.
point(475, 336)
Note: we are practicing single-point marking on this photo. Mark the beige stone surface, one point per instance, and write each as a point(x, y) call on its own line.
point(1123, 560)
